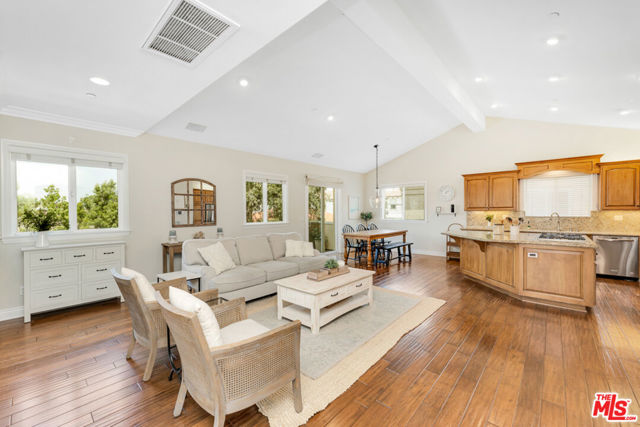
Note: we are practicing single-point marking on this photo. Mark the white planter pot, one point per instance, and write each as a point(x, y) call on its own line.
point(489, 224)
point(42, 240)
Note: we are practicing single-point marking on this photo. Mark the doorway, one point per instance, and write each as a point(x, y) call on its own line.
point(321, 208)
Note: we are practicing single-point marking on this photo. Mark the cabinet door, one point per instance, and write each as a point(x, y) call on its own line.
point(476, 193)
point(554, 274)
point(503, 192)
point(501, 264)
point(619, 186)
point(472, 257)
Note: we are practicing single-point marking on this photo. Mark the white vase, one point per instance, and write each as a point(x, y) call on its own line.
point(42, 240)
point(514, 231)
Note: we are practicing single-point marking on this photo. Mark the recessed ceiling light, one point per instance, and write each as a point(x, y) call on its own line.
point(330, 118)
point(553, 79)
point(553, 109)
point(317, 155)
point(552, 41)
point(625, 112)
point(495, 105)
point(478, 79)
point(90, 95)
point(100, 81)
point(243, 82)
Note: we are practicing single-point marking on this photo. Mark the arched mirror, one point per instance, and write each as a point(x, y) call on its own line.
point(193, 203)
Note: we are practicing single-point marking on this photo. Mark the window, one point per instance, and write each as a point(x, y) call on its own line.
point(404, 202)
point(265, 199)
point(79, 190)
point(568, 195)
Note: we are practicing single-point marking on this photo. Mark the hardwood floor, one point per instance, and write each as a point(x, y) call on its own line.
point(482, 359)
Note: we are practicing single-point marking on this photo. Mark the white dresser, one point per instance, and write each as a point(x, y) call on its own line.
point(60, 276)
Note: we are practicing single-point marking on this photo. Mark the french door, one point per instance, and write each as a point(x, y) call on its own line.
point(321, 217)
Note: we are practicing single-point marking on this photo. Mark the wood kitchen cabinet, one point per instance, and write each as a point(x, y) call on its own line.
point(620, 185)
point(491, 191)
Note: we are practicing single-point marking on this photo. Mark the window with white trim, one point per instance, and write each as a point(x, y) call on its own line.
point(569, 194)
point(69, 191)
point(404, 202)
point(265, 198)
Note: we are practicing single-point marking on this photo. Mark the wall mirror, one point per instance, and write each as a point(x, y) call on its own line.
point(193, 203)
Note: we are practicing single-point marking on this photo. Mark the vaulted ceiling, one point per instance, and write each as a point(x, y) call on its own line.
point(326, 79)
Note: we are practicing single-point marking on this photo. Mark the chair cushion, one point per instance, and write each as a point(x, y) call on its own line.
point(277, 242)
point(276, 269)
point(242, 330)
point(187, 302)
point(254, 249)
point(144, 286)
point(191, 256)
point(236, 278)
point(217, 257)
point(307, 263)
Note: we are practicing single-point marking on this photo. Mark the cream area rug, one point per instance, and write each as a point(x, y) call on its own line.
point(324, 382)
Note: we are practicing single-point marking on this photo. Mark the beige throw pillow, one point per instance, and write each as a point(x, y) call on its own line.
point(307, 249)
point(145, 288)
point(187, 302)
point(217, 257)
point(293, 248)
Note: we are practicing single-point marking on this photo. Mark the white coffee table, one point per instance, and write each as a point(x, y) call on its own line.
point(179, 274)
point(317, 303)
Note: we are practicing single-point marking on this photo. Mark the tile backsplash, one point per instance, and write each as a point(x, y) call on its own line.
point(598, 222)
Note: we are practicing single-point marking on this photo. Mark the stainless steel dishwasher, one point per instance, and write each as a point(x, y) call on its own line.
point(617, 256)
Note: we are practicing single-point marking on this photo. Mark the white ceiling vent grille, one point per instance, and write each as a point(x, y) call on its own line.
point(188, 31)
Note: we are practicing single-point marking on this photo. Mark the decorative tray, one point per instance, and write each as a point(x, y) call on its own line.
point(325, 273)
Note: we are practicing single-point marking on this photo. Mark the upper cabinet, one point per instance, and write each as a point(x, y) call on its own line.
point(491, 191)
point(620, 185)
point(584, 164)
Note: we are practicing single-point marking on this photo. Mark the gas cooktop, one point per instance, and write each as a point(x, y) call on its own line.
point(561, 236)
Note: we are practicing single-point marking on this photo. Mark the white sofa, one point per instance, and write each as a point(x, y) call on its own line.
point(260, 260)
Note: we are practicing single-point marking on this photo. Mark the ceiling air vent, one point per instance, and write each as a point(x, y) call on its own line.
point(195, 127)
point(188, 31)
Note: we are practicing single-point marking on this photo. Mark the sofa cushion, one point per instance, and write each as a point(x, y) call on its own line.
point(276, 269)
point(191, 256)
point(307, 263)
point(242, 330)
point(187, 302)
point(253, 249)
point(277, 242)
point(234, 279)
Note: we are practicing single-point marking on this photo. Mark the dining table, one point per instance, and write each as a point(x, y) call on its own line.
point(370, 236)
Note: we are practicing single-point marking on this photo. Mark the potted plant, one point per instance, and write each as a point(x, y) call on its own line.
point(332, 265)
point(366, 217)
point(41, 220)
point(489, 219)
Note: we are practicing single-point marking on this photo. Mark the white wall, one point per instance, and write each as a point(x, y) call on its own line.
point(154, 162)
point(505, 141)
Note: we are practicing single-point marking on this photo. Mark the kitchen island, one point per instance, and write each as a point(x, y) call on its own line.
point(554, 272)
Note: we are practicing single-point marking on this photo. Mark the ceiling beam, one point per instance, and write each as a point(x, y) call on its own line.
point(384, 22)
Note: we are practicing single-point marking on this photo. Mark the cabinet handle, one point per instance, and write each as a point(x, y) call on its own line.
point(55, 277)
point(46, 259)
point(108, 253)
point(55, 296)
point(98, 270)
point(79, 256)
point(100, 289)
point(357, 286)
point(333, 295)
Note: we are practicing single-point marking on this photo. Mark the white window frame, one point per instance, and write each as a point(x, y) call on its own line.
point(265, 177)
point(9, 201)
point(404, 202)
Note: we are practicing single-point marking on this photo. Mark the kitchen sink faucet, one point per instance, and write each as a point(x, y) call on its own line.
point(557, 215)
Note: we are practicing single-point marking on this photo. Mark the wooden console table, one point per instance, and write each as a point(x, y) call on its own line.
point(169, 250)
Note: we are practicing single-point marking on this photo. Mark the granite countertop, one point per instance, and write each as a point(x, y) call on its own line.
point(522, 238)
point(534, 230)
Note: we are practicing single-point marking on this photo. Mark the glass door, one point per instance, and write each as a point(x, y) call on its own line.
point(322, 212)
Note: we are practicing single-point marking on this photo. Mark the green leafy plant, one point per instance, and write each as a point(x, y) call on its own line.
point(489, 217)
point(331, 263)
point(39, 218)
point(366, 217)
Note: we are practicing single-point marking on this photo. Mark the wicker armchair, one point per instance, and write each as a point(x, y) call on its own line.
point(149, 328)
point(234, 376)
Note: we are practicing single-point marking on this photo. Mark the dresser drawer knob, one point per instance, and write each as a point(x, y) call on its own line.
point(102, 288)
point(358, 285)
point(55, 277)
point(98, 270)
point(46, 259)
point(79, 256)
point(108, 253)
point(334, 295)
point(55, 296)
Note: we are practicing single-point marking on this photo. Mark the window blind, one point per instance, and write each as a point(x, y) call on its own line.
point(567, 195)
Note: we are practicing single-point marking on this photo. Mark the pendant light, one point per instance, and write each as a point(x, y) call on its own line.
point(375, 202)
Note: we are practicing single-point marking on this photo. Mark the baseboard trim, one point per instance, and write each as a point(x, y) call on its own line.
point(426, 252)
point(11, 313)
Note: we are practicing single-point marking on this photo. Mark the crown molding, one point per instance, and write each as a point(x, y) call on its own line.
point(27, 113)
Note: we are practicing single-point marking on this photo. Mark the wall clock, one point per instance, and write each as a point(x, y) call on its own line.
point(447, 192)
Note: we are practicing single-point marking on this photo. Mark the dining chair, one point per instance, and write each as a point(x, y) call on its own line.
point(351, 244)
